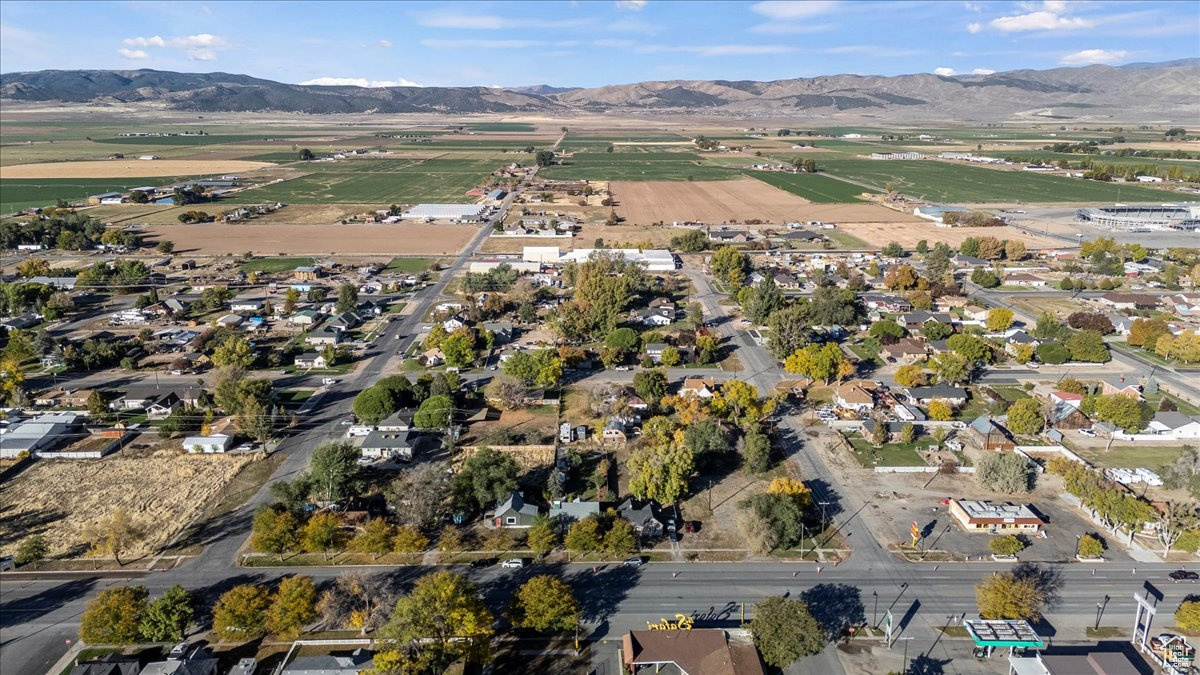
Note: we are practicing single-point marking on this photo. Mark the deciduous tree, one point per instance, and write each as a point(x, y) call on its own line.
point(321, 533)
point(1025, 417)
point(274, 531)
point(583, 536)
point(113, 616)
point(545, 603)
point(110, 537)
point(240, 613)
point(999, 319)
point(1006, 472)
point(484, 479)
point(167, 618)
point(785, 630)
point(441, 621)
point(1004, 596)
point(376, 538)
point(293, 607)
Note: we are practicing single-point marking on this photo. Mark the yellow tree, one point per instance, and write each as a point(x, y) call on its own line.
point(442, 620)
point(546, 603)
point(793, 488)
point(1005, 596)
point(322, 532)
point(109, 537)
point(999, 319)
point(293, 607)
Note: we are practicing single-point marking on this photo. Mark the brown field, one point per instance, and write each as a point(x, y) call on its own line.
point(914, 230)
point(127, 168)
point(272, 239)
point(161, 493)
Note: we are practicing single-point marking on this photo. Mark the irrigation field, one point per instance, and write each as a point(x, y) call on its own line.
point(380, 181)
point(943, 181)
point(814, 187)
point(16, 194)
point(607, 166)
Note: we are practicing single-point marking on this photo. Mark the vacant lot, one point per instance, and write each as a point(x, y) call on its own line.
point(161, 493)
point(126, 168)
point(642, 203)
point(943, 181)
point(914, 230)
point(812, 186)
point(272, 239)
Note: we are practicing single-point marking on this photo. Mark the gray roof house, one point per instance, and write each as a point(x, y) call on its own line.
point(109, 664)
point(324, 335)
point(401, 420)
point(41, 433)
point(199, 662)
point(392, 444)
point(569, 512)
point(954, 395)
point(502, 330)
point(330, 664)
point(514, 512)
point(643, 515)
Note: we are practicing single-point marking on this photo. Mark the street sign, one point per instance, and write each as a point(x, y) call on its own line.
point(916, 533)
point(887, 627)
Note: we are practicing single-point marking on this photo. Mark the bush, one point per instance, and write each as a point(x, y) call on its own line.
point(1187, 616)
point(1005, 472)
point(1007, 545)
point(1090, 546)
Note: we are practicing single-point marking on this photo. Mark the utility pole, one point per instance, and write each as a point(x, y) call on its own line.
point(904, 671)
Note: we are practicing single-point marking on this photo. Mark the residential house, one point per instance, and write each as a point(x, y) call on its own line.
point(645, 517)
point(968, 261)
point(1067, 415)
point(906, 350)
point(231, 321)
point(162, 407)
point(140, 396)
point(894, 429)
point(1128, 301)
point(389, 444)
point(1017, 338)
point(305, 317)
point(501, 330)
point(401, 420)
point(854, 396)
point(63, 398)
point(568, 512)
point(886, 303)
point(432, 357)
point(109, 664)
point(324, 335)
point(664, 303)
point(244, 304)
point(213, 443)
point(1023, 279)
point(307, 273)
point(703, 387)
point(354, 663)
point(654, 351)
point(786, 281)
point(615, 430)
point(198, 662)
point(1174, 425)
point(1110, 386)
point(311, 360)
point(656, 317)
point(975, 312)
point(989, 435)
point(729, 236)
point(454, 323)
point(955, 396)
point(984, 516)
point(918, 317)
point(514, 513)
point(1066, 398)
point(345, 321)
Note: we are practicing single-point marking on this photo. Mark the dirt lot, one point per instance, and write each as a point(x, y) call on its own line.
point(915, 229)
point(642, 203)
point(128, 168)
point(162, 492)
point(272, 239)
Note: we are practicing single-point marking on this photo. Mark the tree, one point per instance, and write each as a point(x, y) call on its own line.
point(1007, 545)
point(544, 157)
point(999, 319)
point(756, 450)
point(293, 607)
point(650, 385)
point(1007, 596)
point(620, 538)
point(334, 467)
point(971, 347)
point(508, 393)
point(1025, 417)
point(409, 541)
point(771, 521)
point(373, 404)
point(1090, 546)
point(1014, 250)
point(789, 330)
point(791, 488)
point(109, 537)
point(167, 618)
point(660, 472)
point(376, 538)
point(1088, 346)
point(951, 368)
point(1178, 518)
point(984, 278)
point(305, 154)
point(670, 357)
point(543, 536)
point(886, 328)
point(1053, 353)
point(1124, 411)
point(940, 410)
point(113, 616)
point(546, 603)
point(692, 241)
point(274, 531)
point(910, 375)
point(583, 536)
point(322, 532)
point(893, 249)
point(484, 479)
point(764, 299)
point(706, 349)
point(240, 613)
point(901, 278)
point(1090, 321)
point(1145, 332)
point(434, 412)
point(357, 601)
point(256, 421)
point(784, 630)
point(1006, 472)
point(441, 621)
point(419, 495)
point(695, 315)
point(729, 265)
point(459, 349)
point(33, 549)
point(817, 362)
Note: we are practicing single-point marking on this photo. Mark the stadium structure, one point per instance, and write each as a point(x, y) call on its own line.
point(1143, 217)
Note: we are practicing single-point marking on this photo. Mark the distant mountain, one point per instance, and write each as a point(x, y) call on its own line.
point(1163, 91)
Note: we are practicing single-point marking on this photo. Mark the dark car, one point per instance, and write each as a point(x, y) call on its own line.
point(1183, 575)
point(484, 562)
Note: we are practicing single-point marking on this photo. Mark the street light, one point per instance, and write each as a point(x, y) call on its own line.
point(904, 671)
point(875, 614)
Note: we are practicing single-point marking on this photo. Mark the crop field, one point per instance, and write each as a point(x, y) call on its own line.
point(206, 139)
point(957, 183)
point(275, 265)
point(20, 194)
point(380, 181)
point(123, 168)
point(635, 166)
point(814, 187)
point(316, 240)
point(500, 126)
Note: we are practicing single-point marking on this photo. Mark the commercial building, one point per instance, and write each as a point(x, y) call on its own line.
point(1140, 217)
point(654, 259)
point(983, 516)
point(674, 646)
point(458, 212)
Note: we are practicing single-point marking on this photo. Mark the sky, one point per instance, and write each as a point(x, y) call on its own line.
point(589, 44)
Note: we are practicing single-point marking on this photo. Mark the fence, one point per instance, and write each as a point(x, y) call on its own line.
point(920, 469)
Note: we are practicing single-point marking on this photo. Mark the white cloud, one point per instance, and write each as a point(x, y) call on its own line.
point(775, 28)
point(973, 6)
point(201, 40)
point(631, 5)
point(133, 54)
point(983, 71)
point(358, 82)
point(785, 10)
point(943, 71)
point(480, 44)
point(492, 22)
point(155, 41)
point(1048, 17)
point(386, 44)
point(1093, 56)
point(201, 54)
point(873, 50)
point(974, 27)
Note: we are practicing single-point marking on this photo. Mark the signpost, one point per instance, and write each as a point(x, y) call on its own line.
point(916, 533)
point(887, 628)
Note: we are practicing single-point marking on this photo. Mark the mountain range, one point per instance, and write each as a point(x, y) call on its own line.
point(1141, 91)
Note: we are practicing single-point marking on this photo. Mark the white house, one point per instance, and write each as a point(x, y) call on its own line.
point(207, 444)
point(1175, 425)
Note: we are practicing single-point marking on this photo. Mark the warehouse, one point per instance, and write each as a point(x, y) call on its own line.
point(465, 213)
point(655, 260)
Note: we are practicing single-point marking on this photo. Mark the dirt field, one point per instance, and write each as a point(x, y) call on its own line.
point(914, 229)
point(162, 493)
point(272, 239)
point(128, 168)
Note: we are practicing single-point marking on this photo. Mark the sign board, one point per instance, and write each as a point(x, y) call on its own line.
point(887, 627)
point(681, 622)
point(916, 533)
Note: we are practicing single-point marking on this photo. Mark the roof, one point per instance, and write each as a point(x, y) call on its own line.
point(695, 652)
point(574, 509)
point(1173, 419)
point(906, 346)
point(109, 664)
point(937, 391)
point(853, 393)
point(697, 383)
point(637, 512)
point(200, 663)
point(329, 664)
point(391, 440)
point(205, 440)
point(984, 425)
point(1021, 337)
point(443, 211)
point(1094, 663)
point(1003, 633)
point(516, 502)
point(998, 512)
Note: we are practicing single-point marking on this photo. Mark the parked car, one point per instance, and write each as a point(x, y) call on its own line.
point(483, 562)
point(1087, 432)
point(328, 381)
point(632, 562)
point(513, 563)
point(1183, 575)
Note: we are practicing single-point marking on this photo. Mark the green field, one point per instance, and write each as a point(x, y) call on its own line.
point(408, 265)
point(275, 265)
point(517, 127)
point(637, 166)
point(274, 157)
point(943, 181)
point(207, 139)
point(16, 194)
point(811, 186)
point(380, 181)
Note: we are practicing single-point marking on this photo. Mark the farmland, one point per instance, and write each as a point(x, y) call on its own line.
point(815, 188)
point(380, 181)
point(645, 202)
point(298, 240)
point(19, 194)
point(125, 168)
point(943, 181)
point(636, 166)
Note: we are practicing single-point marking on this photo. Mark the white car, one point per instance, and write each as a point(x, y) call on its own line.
point(328, 381)
point(1087, 432)
point(513, 563)
point(1031, 364)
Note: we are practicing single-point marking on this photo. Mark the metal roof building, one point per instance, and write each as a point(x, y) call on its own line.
point(444, 212)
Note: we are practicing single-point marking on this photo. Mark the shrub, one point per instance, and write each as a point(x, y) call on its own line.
point(1007, 545)
point(1090, 546)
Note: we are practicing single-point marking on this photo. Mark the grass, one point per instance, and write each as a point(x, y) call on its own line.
point(844, 240)
point(1132, 457)
point(275, 265)
point(16, 194)
point(184, 140)
point(381, 181)
point(500, 126)
point(408, 265)
point(1010, 394)
point(1105, 632)
point(637, 166)
point(863, 352)
point(944, 181)
point(891, 454)
point(812, 186)
point(1153, 400)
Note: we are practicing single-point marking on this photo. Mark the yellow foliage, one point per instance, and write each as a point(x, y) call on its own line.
point(793, 488)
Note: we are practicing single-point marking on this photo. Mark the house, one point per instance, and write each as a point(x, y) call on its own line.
point(1111, 386)
point(514, 513)
point(854, 396)
point(162, 407)
point(1017, 338)
point(401, 420)
point(984, 516)
point(654, 350)
point(704, 387)
point(453, 323)
point(311, 360)
point(431, 358)
point(214, 443)
point(307, 273)
point(345, 321)
point(975, 312)
point(670, 648)
point(644, 516)
point(1067, 415)
point(786, 281)
point(1128, 301)
point(1174, 425)
point(886, 303)
point(354, 663)
point(324, 335)
point(919, 317)
point(389, 444)
point(199, 662)
point(906, 350)
point(39, 434)
point(955, 396)
point(894, 429)
point(729, 236)
point(63, 398)
point(615, 430)
point(663, 303)
point(246, 304)
point(305, 317)
point(502, 331)
point(568, 512)
point(656, 317)
point(231, 321)
point(109, 664)
point(140, 396)
point(989, 435)
point(1066, 398)
point(1024, 279)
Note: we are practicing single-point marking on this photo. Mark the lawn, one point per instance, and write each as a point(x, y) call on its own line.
point(408, 265)
point(381, 181)
point(275, 265)
point(848, 241)
point(891, 454)
point(651, 166)
point(812, 186)
point(20, 193)
point(1010, 394)
point(944, 181)
point(1132, 457)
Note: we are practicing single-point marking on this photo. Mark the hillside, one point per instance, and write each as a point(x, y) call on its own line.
point(1136, 92)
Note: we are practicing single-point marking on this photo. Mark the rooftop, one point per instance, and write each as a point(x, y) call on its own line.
point(985, 510)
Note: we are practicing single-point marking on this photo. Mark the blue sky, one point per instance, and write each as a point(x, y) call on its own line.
point(589, 43)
